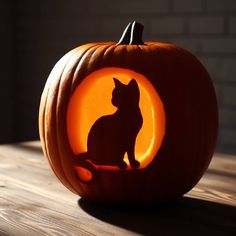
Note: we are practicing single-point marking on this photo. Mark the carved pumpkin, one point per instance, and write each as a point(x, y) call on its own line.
point(129, 122)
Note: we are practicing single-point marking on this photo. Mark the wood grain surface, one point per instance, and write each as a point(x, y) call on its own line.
point(33, 202)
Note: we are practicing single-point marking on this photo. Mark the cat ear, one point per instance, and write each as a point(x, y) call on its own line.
point(117, 82)
point(133, 84)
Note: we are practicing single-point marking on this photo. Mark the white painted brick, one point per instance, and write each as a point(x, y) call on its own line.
point(221, 5)
point(167, 25)
point(7, 71)
point(188, 44)
point(50, 28)
point(220, 68)
point(212, 65)
point(66, 27)
point(219, 45)
point(228, 138)
point(227, 118)
point(232, 24)
point(229, 95)
point(226, 149)
point(206, 25)
point(115, 26)
point(187, 6)
point(218, 89)
point(56, 9)
point(101, 7)
point(143, 7)
point(227, 69)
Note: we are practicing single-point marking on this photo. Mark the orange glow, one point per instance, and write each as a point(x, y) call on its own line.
point(84, 174)
point(92, 99)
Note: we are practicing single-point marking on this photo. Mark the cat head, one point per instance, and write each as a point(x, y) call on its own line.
point(125, 95)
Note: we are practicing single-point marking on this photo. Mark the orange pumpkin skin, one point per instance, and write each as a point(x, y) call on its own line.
point(191, 121)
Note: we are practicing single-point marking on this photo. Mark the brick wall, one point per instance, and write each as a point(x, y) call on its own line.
point(45, 30)
point(6, 105)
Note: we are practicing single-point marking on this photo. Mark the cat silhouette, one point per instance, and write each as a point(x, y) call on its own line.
point(111, 136)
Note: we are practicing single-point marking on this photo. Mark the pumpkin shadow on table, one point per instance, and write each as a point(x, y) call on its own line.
point(185, 216)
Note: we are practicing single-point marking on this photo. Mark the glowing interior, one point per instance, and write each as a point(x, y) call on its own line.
point(84, 174)
point(92, 99)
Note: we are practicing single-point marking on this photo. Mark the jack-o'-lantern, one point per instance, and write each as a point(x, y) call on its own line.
point(129, 122)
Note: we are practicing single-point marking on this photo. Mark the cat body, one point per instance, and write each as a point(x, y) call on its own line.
point(111, 136)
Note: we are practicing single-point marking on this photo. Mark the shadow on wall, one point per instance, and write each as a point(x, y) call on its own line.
point(37, 34)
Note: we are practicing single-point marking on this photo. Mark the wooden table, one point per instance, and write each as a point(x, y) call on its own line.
point(33, 202)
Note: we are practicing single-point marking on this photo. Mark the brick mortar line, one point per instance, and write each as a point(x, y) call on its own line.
point(225, 127)
point(225, 82)
point(171, 6)
point(215, 54)
point(185, 36)
point(228, 106)
point(204, 6)
point(226, 25)
point(114, 15)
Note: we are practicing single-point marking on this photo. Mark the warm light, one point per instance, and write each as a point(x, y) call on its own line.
point(92, 99)
point(84, 174)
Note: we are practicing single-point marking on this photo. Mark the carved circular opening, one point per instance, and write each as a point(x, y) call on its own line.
point(92, 99)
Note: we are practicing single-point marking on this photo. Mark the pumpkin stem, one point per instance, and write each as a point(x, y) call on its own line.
point(132, 34)
point(136, 34)
point(125, 38)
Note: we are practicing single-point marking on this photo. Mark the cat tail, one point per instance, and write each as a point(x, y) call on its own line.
point(84, 168)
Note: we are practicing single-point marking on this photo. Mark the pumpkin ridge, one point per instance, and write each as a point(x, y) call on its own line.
point(109, 53)
point(73, 68)
point(76, 76)
point(74, 82)
point(94, 54)
point(43, 101)
point(122, 50)
point(106, 47)
point(55, 88)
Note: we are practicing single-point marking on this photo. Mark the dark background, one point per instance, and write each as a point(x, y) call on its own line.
point(35, 34)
